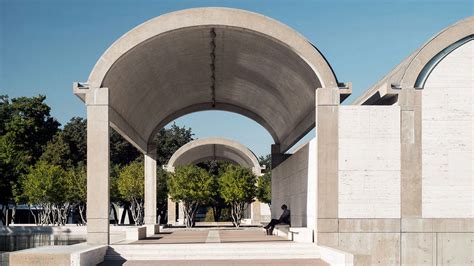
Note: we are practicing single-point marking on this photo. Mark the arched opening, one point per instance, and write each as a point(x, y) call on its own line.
point(218, 151)
point(195, 60)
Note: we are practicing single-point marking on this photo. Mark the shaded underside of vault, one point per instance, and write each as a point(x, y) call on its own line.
point(214, 68)
point(213, 152)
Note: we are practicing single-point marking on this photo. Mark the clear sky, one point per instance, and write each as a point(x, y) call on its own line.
point(47, 45)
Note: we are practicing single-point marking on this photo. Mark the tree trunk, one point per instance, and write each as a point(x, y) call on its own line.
point(137, 211)
point(189, 213)
point(237, 210)
point(32, 213)
point(217, 211)
point(3, 214)
point(81, 213)
point(13, 214)
point(114, 211)
point(124, 214)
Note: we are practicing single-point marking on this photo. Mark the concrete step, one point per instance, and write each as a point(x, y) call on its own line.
point(211, 251)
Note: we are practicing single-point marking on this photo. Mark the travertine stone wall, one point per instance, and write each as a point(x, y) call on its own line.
point(369, 222)
point(369, 162)
point(447, 137)
point(291, 182)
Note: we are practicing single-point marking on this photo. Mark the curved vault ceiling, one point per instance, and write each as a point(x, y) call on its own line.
point(172, 75)
point(182, 62)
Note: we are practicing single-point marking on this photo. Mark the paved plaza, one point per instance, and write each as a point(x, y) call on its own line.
point(209, 235)
point(282, 262)
point(212, 246)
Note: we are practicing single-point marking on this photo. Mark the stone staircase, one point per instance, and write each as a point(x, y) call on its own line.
point(212, 251)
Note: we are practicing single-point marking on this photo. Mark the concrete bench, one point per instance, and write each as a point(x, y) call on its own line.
point(152, 229)
point(282, 230)
point(76, 255)
point(135, 232)
point(301, 234)
point(297, 234)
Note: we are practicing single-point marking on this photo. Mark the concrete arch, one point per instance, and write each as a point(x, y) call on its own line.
point(412, 72)
point(213, 59)
point(220, 107)
point(431, 65)
point(213, 148)
point(446, 38)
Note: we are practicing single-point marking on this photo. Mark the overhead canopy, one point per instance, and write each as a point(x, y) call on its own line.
point(221, 149)
point(212, 59)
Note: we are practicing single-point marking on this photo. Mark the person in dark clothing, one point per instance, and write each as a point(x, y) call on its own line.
point(284, 219)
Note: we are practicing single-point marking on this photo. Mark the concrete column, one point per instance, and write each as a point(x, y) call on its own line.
point(327, 134)
point(171, 211)
point(180, 213)
point(98, 155)
point(410, 137)
point(152, 225)
point(255, 214)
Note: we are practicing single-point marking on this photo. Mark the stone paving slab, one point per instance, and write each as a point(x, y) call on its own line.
point(229, 236)
point(281, 262)
point(176, 237)
point(192, 236)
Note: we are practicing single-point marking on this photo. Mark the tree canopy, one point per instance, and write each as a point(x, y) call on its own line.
point(264, 188)
point(32, 145)
point(131, 186)
point(264, 183)
point(237, 188)
point(25, 127)
point(193, 186)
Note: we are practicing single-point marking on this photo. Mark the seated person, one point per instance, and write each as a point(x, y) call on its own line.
point(284, 219)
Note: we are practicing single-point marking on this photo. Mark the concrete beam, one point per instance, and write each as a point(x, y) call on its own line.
point(119, 124)
point(345, 90)
point(277, 156)
point(298, 132)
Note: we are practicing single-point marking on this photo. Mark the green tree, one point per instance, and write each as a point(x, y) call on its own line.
point(131, 186)
point(26, 126)
point(47, 186)
point(237, 188)
point(264, 183)
point(264, 188)
point(58, 152)
point(266, 161)
point(75, 135)
point(77, 184)
point(5, 112)
point(193, 186)
point(216, 168)
point(162, 192)
point(169, 140)
point(31, 125)
point(121, 151)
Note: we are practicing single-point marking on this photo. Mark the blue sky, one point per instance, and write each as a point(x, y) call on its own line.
point(47, 45)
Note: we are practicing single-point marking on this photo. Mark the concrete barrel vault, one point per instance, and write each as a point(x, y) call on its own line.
point(204, 149)
point(214, 148)
point(195, 60)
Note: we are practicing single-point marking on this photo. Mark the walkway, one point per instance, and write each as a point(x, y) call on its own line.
point(213, 246)
point(209, 235)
